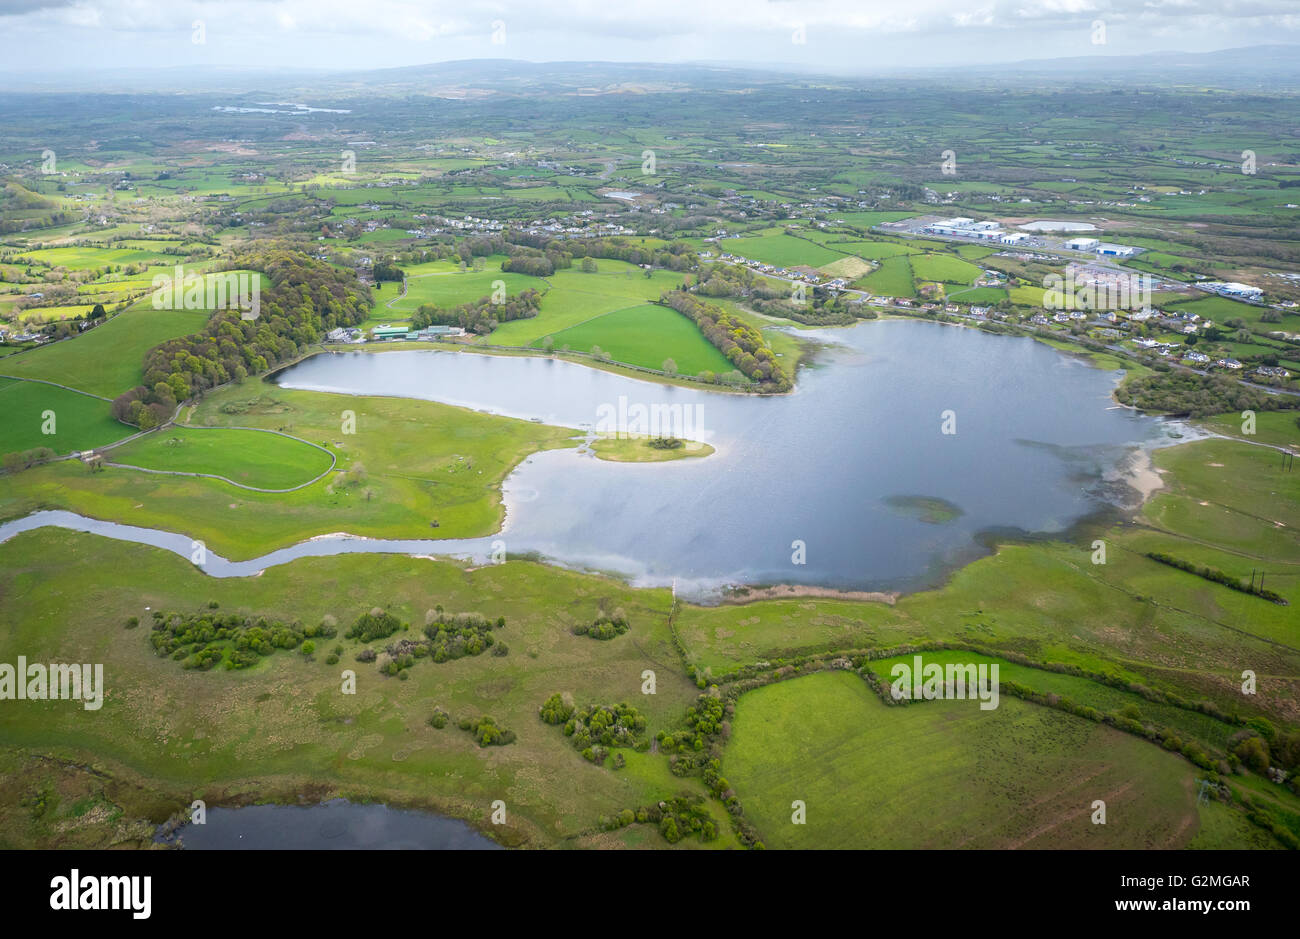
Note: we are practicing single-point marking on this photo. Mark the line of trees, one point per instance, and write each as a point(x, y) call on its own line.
point(1217, 576)
point(741, 343)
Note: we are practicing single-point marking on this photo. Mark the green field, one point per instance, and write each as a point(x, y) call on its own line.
point(873, 250)
point(944, 268)
point(449, 290)
point(80, 422)
point(945, 774)
point(576, 297)
point(646, 335)
point(250, 458)
point(108, 359)
point(781, 250)
point(892, 279)
point(89, 257)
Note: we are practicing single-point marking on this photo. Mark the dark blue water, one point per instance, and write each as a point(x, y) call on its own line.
point(333, 825)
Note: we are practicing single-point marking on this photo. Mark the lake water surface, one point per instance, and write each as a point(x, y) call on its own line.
point(832, 466)
point(337, 824)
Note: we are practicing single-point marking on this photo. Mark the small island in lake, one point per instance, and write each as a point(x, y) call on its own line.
point(642, 448)
point(929, 509)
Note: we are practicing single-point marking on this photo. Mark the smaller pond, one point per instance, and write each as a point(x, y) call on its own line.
point(334, 825)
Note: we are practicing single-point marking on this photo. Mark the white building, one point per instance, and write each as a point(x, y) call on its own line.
point(1082, 244)
point(1116, 251)
point(1233, 289)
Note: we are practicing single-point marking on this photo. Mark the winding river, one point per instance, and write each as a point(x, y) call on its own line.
point(901, 445)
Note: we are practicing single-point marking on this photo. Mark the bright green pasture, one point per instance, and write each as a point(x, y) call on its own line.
point(781, 250)
point(80, 422)
point(646, 335)
point(944, 268)
point(248, 457)
point(892, 279)
point(576, 297)
point(945, 774)
point(108, 359)
point(449, 290)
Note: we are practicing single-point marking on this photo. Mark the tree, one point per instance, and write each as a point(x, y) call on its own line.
point(1253, 751)
point(670, 366)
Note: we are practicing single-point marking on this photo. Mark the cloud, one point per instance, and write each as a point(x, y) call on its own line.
point(368, 33)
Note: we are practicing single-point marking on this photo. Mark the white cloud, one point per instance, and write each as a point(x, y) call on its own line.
point(843, 33)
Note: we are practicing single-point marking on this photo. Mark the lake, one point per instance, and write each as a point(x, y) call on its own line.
point(337, 825)
point(828, 475)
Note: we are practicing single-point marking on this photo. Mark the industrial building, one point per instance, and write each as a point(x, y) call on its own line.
point(1233, 289)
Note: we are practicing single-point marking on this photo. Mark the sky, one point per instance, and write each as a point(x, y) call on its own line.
point(45, 36)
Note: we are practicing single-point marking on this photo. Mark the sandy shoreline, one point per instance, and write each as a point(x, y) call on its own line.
point(1141, 475)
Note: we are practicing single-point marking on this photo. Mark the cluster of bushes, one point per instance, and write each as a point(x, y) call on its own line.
point(1217, 576)
point(482, 315)
point(604, 626)
point(667, 443)
point(204, 640)
point(676, 819)
point(385, 270)
point(486, 732)
point(439, 718)
point(377, 624)
point(706, 723)
point(594, 729)
point(447, 637)
point(814, 313)
point(534, 263)
point(1182, 392)
point(1260, 747)
point(741, 343)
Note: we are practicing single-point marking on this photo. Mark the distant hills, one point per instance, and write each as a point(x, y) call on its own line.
point(1267, 67)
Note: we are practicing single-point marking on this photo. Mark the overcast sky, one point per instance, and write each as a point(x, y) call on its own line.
point(842, 35)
